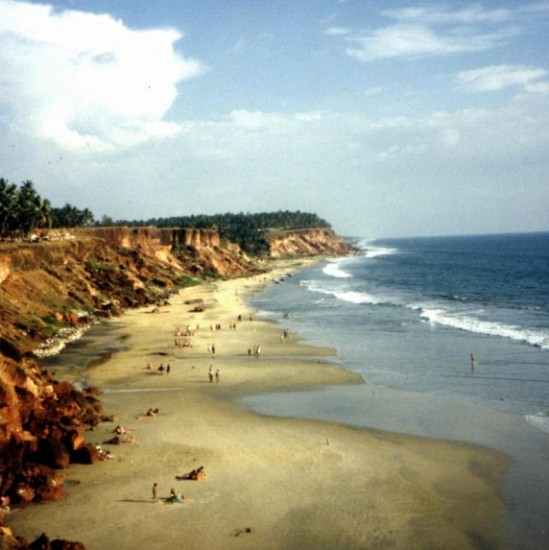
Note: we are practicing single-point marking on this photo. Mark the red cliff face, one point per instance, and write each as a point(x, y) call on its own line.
point(51, 290)
point(99, 272)
point(308, 242)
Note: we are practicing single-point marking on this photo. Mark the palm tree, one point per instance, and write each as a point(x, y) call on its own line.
point(8, 207)
point(28, 204)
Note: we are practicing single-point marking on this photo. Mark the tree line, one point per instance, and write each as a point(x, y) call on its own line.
point(23, 211)
point(249, 231)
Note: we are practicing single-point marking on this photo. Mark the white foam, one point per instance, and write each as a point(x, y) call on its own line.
point(333, 269)
point(376, 251)
point(358, 297)
point(345, 295)
point(539, 420)
point(538, 338)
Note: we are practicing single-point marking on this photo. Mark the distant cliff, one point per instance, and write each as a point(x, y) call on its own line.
point(308, 242)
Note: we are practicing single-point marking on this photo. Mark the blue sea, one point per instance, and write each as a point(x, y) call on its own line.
point(409, 313)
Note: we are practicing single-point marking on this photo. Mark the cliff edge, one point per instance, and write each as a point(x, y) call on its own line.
point(51, 291)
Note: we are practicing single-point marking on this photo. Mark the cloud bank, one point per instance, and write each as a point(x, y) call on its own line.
point(87, 81)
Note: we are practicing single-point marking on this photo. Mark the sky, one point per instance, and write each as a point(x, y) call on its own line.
point(386, 118)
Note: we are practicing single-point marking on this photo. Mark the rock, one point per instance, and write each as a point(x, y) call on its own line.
point(8, 541)
point(24, 493)
point(54, 453)
point(43, 543)
point(87, 454)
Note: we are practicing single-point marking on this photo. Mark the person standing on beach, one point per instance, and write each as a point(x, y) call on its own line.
point(473, 361)
point(155, 491)
point(211, 373)
point(217, 375)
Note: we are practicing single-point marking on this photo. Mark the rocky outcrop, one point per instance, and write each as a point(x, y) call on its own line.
point(8, 541)
point(41, 431)
point(49, 293)
point(42, 424)
point(308, 242)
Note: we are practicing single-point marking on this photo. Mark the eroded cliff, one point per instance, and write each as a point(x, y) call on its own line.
point(308, 242)
point(51, 291)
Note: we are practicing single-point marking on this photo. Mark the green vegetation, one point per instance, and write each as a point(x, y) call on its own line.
point(23, 211)
point(249, 231)
point(92, 265)
point(24, 214)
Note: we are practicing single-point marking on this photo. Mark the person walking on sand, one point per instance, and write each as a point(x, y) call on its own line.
point(217, 375)
point(473, 361)
point(155, 491)
point(211, 373)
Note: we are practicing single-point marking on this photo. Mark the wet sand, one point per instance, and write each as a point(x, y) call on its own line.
point(272, 483)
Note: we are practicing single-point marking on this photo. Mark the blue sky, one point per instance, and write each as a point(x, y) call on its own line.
point(390, 118)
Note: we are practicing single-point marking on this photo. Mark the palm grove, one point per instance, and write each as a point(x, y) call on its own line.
point(23, 212)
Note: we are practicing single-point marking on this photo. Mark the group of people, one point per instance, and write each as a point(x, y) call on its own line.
point(194, 475)
point(161, 368)
point(256, 350)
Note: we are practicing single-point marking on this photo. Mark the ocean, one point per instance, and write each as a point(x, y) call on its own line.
point(407, 314)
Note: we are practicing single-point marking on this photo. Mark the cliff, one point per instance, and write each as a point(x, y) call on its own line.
point(53, 286)
point(50, 291)
point(308, 242)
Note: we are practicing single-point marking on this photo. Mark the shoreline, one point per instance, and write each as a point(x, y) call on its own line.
point(272, 482)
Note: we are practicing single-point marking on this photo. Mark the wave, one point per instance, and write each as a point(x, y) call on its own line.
point(372, 250)
point(376, 251)
point(334, 269)
point(469, 321)
point(537, 338)
point(539, 420)
point(347, 294)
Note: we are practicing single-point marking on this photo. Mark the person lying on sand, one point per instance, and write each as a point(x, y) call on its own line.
point(194, 475)
point(151, 413)
point(175, 497)
point(119, 430)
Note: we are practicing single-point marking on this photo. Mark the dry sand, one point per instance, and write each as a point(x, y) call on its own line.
point(271, 483)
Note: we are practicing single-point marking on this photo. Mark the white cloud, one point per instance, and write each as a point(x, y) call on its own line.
point(412, 40)
point(82, 79)
point(469, 15)
point(337, 31)
point(426, 31)
point(498, 77)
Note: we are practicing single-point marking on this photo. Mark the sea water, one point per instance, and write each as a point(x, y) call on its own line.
point(408, 314)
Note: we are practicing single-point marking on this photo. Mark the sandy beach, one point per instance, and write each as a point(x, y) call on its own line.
point(271, 483)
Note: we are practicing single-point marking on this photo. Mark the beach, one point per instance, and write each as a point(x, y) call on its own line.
point(271, 483)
